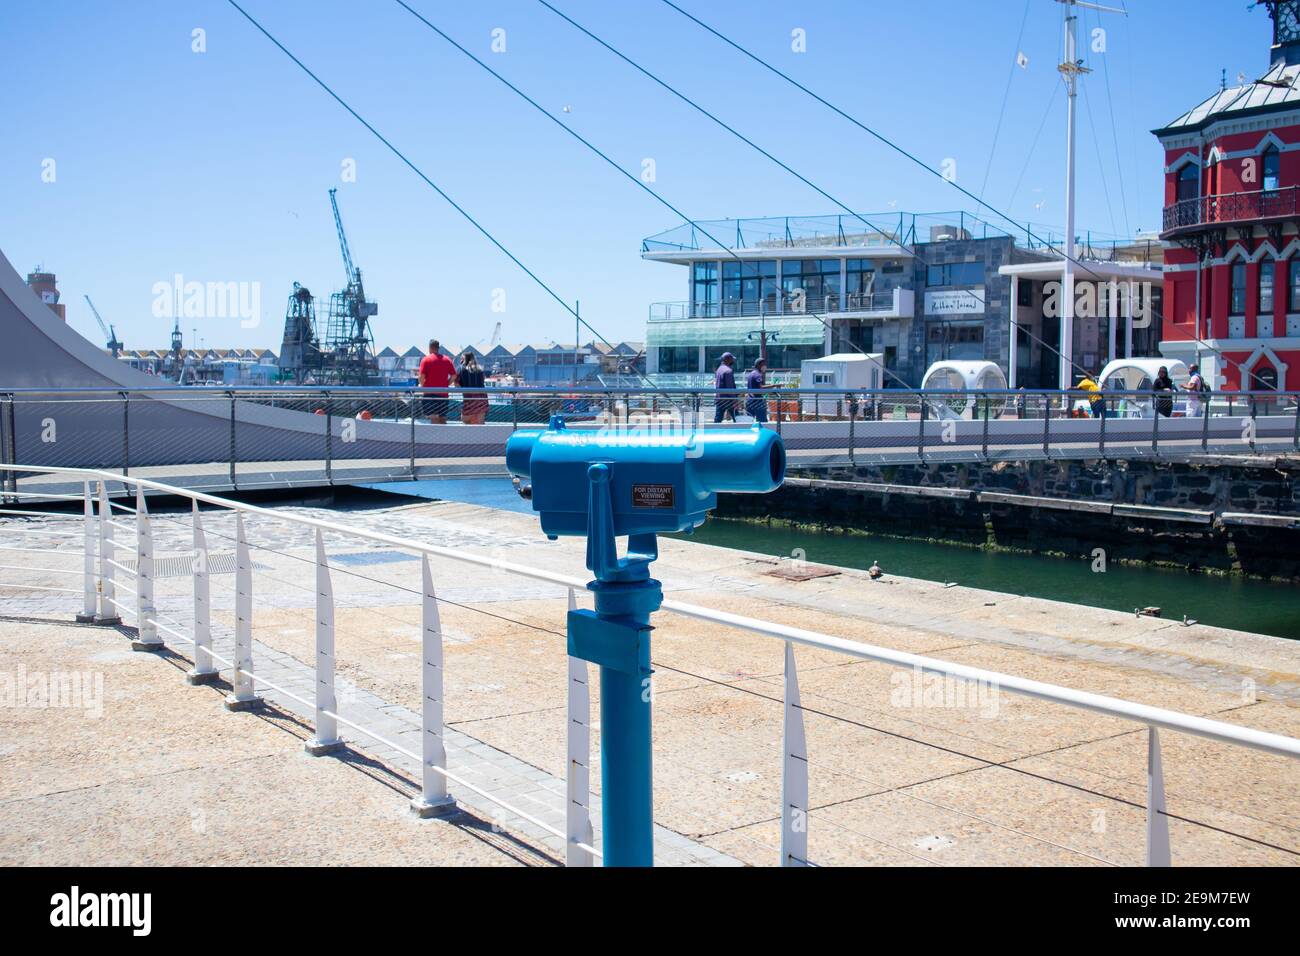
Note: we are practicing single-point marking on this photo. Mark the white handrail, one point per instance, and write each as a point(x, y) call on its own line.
point(1097, 703)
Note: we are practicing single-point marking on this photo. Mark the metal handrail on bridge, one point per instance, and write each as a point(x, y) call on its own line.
point(100, 604)
point(220, 429)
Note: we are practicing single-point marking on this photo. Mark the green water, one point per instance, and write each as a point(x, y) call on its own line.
point(1260, 606)
point(1248, 605)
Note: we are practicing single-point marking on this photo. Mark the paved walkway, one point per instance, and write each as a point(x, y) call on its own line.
point(895, 776)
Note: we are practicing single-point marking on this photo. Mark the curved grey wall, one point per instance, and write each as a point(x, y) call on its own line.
point(184, 426)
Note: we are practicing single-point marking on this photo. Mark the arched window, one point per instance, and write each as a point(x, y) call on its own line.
point(1187, 182)
point(1263, 378)
point(1271, 171)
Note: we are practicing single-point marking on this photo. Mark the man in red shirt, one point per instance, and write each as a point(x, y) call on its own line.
point(436, 371)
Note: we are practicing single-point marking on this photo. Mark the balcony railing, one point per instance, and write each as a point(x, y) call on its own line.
point(1230, 207)
point(897, 302)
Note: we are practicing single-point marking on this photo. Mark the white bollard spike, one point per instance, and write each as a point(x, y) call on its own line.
point(146, 637)
point(434, 800)
point(107, 592)
point(89, 589)
point(1158, 853)
point(578, 805)
point(241, 679)
point(203, 671)
point(794, 772)
point(327, 739)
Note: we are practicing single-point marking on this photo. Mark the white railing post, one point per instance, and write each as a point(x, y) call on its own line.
point(434, 800)
point(202, 672)
point(578, 808)
point(241, 677)
point(146, 633)
point(87, 614)
point(326, 740)
point(107, 593)
point(794, 772)
point(1157, 821)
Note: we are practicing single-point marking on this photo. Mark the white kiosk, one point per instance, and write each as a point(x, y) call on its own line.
point(1138, 375)
point(844, 371)
point(963, 379)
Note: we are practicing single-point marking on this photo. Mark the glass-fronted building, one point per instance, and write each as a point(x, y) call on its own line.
point(917, 288)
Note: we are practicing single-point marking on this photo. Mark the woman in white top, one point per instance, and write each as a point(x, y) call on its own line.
point(1194, 386)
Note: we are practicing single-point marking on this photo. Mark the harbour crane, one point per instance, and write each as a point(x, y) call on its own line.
point(348, 335)
point(113, 344)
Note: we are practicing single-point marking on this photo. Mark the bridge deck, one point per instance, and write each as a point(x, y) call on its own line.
point(802, 452)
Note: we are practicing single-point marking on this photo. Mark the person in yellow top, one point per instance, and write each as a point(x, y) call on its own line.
point(1096, 403)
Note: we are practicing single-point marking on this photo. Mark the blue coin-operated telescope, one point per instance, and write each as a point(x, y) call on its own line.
point(603, 484)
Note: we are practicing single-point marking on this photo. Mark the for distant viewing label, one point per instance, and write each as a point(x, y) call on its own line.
point(652, 496)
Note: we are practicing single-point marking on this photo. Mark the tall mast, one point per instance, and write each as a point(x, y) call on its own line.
point(1071, 68)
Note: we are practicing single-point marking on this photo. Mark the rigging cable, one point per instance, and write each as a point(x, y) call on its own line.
point(641, 183)
point(1101, 165)
point(730, 129)
point(1006, 93)
point(1114, 135)
point(1033, 147)
point(852, 119)
point(883, 139)
point(622, 56)
point(436, 188)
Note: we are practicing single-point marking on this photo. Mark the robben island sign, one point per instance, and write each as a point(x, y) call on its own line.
point(955, 302)
point(1091, 300)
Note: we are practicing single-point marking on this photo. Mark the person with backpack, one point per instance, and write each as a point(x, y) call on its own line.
point(1195, 388)
point(473, 405)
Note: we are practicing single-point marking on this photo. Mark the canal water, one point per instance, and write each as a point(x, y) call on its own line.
point(1248, 605)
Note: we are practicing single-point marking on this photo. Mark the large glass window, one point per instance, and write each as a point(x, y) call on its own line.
point(1265, 287)
point(954, 341)
point(749, 287)
point(1186, 185)
point(955, 273)
point(1293, 296)
point(1272, 169)
point(859, 282)
point(746, 354)
point(704, 289)
point(679, 359)
point(790, 356)
point(1238, 296)
point(819, 279)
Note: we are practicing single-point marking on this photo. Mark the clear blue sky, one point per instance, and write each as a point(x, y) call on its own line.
point(216, 165)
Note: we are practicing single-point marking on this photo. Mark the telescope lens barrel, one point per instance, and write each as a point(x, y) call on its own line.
point(744, 462)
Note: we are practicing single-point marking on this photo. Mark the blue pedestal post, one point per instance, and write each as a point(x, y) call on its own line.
point(616, 636)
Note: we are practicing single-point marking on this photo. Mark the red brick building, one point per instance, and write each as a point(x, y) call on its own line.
point(1232, 225)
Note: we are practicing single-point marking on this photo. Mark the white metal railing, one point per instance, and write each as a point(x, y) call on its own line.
point(100, 604)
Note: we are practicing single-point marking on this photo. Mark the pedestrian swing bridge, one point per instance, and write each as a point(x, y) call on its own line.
point(222, 439)
point(104, 555)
